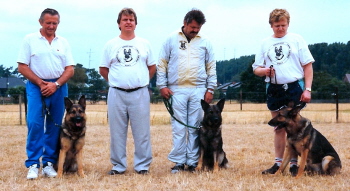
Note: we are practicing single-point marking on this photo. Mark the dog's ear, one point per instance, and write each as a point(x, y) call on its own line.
point(82, 101)
point(205, 105)
point(67, 103)
point(221, 104)
point(291, 104)
point(294, 112)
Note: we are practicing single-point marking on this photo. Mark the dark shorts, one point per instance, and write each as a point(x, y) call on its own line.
point(279, 95)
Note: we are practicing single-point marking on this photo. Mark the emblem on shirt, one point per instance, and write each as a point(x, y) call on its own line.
point(128, 55)
point(279, 53)
point(182, 45)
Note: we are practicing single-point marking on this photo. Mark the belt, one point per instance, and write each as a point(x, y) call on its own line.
point(127, 90)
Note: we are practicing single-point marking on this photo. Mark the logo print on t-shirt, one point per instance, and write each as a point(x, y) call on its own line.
point(279, 52)
point(128, 55)
point(182, 45)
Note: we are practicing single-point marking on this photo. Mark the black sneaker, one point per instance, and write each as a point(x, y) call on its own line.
point(191, 168)
point(143, 172)
point(177, 168)
point(293, 170)
point(271, 170)
point(114, 172)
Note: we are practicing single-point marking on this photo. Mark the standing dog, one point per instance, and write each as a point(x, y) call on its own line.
point(212, 156)
point(316, 153)
point(72, 138)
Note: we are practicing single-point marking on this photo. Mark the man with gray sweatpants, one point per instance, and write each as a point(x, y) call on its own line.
point(128, 65)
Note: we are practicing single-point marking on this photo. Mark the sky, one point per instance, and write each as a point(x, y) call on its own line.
point(235, 27)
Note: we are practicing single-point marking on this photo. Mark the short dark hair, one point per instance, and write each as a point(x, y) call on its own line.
point(195, 14)
point(126, 11)
point(49, 11)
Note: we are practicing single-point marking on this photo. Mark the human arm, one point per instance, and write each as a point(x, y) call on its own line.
point(152, 70)
point(162, 69)
point(210, 64)
point(104, 72)
point(308, 77)
point(261, 71)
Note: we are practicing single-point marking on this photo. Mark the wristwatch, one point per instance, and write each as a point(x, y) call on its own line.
point(210, 91)
point(308, 89)
point(57, 85)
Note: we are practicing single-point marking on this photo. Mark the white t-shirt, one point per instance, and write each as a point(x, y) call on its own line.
point(288, 55)
point(47, 61)
point(127, 61)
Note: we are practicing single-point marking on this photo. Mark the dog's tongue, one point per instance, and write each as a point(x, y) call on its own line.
point(78, 124)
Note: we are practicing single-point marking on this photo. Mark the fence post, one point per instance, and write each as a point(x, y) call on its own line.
point(240, 99)
point(336, 104)
point(20, 109)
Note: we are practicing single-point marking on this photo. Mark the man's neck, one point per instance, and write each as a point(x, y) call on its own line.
point(127, 36)
point(48, 37)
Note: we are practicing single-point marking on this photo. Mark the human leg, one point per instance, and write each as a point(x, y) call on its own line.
point(179, 131)
point(139, 113)
point(35, 124)
point(195, 116)
point(55, 104)
point(118, 123)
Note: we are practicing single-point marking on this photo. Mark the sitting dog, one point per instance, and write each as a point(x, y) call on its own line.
point(316, 153)
point(72, 138)
point(212, 156)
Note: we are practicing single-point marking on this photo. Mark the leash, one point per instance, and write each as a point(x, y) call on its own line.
point(48, 112)
point(169, 106)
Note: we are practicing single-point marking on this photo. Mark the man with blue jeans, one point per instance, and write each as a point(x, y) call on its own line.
point(45, 59)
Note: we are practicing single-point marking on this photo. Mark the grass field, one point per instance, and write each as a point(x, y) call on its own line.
point(247, 143)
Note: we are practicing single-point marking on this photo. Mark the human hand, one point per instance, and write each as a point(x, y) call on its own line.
point(306, 96)
point(270, 72)
point(47, 88)
point(208, 97)
point(166, 93)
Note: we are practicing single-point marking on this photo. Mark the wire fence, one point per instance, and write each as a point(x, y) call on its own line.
point(13, 109)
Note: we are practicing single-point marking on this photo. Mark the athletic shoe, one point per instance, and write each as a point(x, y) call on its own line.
point(49, 171)
point(177, 168)
point(191, 168)
point(271, 170)
point(114, 172)
point(144, 172)
point(293, 170)
point(33, 172)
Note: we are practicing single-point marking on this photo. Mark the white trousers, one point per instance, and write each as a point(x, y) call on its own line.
point(186, 103)
point(122, 108)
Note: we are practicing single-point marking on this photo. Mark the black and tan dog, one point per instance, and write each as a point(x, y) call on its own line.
point(317, 156)
point(72, 138)
point(212, 156)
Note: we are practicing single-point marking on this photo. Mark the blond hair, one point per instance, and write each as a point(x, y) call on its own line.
point(278, 14)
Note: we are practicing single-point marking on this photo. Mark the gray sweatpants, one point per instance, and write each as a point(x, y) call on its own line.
point(122, 108)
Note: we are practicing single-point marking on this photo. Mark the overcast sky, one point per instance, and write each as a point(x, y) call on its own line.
point(235, 27)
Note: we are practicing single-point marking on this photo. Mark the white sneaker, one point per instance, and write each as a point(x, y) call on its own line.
point(33, 172)
point(49, 171)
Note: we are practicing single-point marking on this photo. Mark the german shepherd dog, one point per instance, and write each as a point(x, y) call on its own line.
point(212, 156)
point(317, 156)
point(72, 138)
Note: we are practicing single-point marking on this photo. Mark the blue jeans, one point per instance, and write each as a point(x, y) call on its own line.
point(44, 129)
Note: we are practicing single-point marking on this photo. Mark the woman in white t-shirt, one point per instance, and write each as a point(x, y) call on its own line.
point(285, 59)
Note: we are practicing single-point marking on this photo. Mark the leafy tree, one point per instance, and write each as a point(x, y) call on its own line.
point(5, 72)
point(76, 84)
point(253, 87)
point(96, 85)
point(16, 92)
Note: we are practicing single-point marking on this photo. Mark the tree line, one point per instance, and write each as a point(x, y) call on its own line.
point(332, 62)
